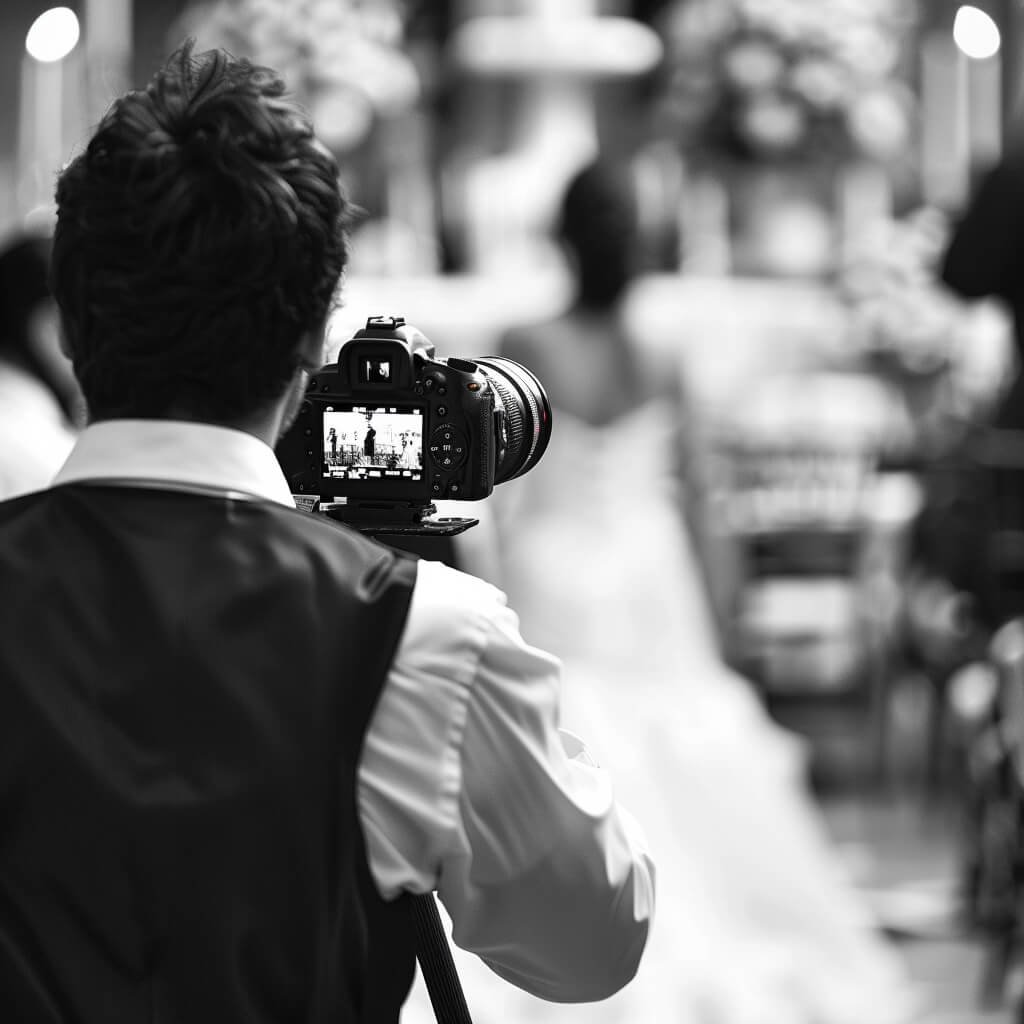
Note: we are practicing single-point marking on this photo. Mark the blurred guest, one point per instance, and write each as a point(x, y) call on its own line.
point(985, 258)
point(757, 921)
point(39, 399)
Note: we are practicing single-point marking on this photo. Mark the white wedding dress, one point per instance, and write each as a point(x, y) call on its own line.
point(755, 921)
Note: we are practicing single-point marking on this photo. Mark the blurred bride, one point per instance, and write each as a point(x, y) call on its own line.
point(756, 923)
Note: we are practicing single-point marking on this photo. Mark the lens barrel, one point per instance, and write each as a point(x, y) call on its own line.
point(527, 413)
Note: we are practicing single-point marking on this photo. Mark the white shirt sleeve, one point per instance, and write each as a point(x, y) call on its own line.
point(466, 785)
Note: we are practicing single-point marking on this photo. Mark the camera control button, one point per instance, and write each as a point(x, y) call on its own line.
point(442, 410)
point(447, 446)
point(442, 391)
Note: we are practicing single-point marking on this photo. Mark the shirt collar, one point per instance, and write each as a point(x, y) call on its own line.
point(173, 453)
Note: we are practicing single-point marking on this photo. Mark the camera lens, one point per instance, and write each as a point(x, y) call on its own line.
point(527, 415)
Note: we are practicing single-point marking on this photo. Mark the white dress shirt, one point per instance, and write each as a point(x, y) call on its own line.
point(465, 782)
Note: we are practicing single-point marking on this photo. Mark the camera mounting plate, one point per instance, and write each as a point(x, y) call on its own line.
point(387, 518)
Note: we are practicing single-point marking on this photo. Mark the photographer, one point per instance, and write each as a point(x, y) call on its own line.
point(232, 733)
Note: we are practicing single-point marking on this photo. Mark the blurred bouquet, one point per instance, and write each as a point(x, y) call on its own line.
point(343, 58)
point(773, 80)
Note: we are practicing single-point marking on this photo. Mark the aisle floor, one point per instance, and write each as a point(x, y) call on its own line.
point(903, 855)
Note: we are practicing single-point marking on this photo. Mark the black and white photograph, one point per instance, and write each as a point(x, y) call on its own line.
point(512, 511)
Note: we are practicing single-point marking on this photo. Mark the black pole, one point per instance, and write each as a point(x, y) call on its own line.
point(436, 962)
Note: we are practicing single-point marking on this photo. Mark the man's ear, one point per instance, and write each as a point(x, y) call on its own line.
point(311, 348)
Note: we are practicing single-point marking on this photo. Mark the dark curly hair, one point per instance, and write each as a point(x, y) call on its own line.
point(199, 235)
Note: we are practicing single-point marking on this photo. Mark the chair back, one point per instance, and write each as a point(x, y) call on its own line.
point(1006, 652)
point(998, 456)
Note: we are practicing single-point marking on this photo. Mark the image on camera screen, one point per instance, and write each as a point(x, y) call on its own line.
point(366, 442)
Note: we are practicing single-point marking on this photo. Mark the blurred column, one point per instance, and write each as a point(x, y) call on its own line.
point(986, 109)
point(961, 128)
point(48, 88)
point(943, 120)
point(108, 52)
point(1011, 20)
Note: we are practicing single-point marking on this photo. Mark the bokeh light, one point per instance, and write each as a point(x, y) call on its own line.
point(53, 35)
point(975, 33)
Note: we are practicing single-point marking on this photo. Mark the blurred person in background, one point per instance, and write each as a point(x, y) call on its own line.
point(757, 920)
point(40, 403)
point(985, 258)
point(953, 606)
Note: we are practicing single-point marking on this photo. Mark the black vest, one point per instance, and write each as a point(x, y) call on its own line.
point(185, 685)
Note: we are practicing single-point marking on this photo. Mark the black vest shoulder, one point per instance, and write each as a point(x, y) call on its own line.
point(185, 684)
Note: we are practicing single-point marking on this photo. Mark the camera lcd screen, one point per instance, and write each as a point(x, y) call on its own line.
point(368, 442)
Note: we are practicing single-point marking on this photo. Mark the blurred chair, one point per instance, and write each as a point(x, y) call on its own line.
point(994, 814)
point(940, 639)
point(999, 456)
point(970, 581)
point(809, 623)
point(993, 764)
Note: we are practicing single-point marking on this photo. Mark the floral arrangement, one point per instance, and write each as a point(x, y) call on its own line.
point(949, 358)
point(899, 308)
point(788, 79)
point(344, 58)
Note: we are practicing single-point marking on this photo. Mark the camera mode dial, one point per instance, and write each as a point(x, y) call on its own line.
point(448, 446)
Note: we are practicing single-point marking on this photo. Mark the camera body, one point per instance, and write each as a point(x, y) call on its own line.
point(389, 423)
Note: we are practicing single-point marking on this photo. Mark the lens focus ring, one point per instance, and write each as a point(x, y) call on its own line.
point(527, 414)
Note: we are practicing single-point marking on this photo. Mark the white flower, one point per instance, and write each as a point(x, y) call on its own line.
point(819, 82)
point(868, 49)
point(693, 27)
point(753, 65)
point(878, 123)
point(771, 122)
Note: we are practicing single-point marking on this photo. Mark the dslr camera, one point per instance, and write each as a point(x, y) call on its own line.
point(389, 428)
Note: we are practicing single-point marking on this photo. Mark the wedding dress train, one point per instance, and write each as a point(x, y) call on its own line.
point(756, 922)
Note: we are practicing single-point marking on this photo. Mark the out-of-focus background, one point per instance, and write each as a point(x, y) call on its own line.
point(799, 170)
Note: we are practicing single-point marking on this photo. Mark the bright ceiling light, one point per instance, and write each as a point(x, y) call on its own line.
point(53, 35)
point(975, 33)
